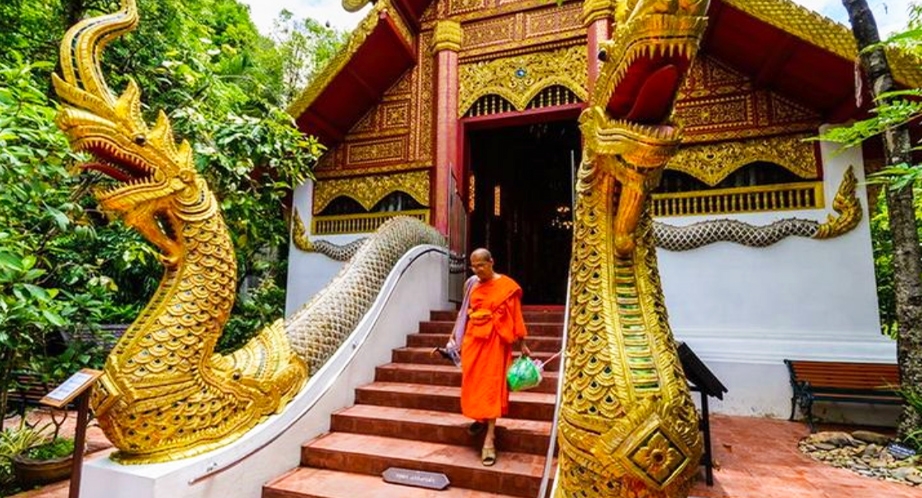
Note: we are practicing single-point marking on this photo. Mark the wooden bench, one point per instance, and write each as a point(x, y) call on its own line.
point(841, 382)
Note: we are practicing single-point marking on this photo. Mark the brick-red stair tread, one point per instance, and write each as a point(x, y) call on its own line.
point(517, 435)
point(425, 356)
point(514, 473)
point(443, 375)
point(321, 483)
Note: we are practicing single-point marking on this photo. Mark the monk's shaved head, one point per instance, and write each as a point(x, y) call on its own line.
point(481, 254)
point(482, 264)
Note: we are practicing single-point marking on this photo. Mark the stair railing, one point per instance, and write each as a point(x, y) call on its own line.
point(552, 443)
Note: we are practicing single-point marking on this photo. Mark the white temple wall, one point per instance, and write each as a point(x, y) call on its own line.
point(309, 272)
point(743, 310)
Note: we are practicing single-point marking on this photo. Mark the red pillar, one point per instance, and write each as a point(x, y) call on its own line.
point(446, 43)
point(597, 16)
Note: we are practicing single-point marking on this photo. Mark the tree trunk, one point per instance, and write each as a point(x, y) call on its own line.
point(907, 257)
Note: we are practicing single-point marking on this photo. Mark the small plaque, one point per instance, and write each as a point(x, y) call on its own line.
point(71, 388)
point(899, 451)
point(418, 478)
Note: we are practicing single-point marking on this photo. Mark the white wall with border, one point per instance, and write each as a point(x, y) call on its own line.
point(273, 447)
point(309, 272)
point(743, 310)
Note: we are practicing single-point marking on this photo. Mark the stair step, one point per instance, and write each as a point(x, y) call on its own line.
point(516, 474)
point(444, 375)
point(535, 342)
point(514, 435)
point(528, 316)
point(424, 356)
point(322, 483)
point(523, 405)
point(534, 328)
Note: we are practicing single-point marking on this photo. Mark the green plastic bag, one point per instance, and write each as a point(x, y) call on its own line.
point(523, 374)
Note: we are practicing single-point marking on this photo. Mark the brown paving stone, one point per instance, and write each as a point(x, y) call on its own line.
point(373, 454)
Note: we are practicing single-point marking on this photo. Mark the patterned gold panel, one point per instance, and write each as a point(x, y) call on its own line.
point(552, 21)
point(490, 32)
point(369, 190)
point(462, 6)
point(718, 103)
point(396, 115)
point(781, 197)
point(711, 163)
point(424, 107)
point(824, 33)
point(387, 150)
point(519, 79)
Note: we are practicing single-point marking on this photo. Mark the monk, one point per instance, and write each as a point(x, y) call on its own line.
point(487, 329)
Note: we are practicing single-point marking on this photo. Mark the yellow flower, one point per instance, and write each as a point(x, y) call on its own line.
point(658, 458)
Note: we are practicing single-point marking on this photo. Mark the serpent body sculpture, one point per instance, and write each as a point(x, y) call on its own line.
point(628, 427)
point(165, 394)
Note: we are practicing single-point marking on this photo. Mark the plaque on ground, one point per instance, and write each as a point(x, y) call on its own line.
point(418, 478)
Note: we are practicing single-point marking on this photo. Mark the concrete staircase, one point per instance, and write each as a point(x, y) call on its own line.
point(410, 418)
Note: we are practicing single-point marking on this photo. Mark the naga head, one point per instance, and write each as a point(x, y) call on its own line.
point(155, 185)
point(627, 127)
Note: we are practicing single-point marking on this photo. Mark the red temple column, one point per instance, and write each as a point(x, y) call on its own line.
point(446, 42)
point(597, 16)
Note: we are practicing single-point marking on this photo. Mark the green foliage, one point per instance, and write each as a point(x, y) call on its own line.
point(913, 396)
point(305, 47)
point(64, 265)
point(57, 448)
point(13, 441)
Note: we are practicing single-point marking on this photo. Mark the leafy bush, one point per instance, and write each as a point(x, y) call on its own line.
point(57, 448)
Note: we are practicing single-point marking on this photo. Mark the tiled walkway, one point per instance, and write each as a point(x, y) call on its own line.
point(758, 458)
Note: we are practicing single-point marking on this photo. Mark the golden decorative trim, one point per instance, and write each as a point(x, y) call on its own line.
point(547, 44)
point(402, 28)
point(360, 223)
point(385, 169)
point(712, 163)
point(299, 233)
point(848, 206)
point(519, 79)
point(339, 61)
point(501, 9)
point(447, 36)
point(779, 197)
point(824, 33)
point(596, 10)
point(369, 190)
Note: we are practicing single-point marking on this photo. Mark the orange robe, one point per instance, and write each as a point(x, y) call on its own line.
point(494, 322)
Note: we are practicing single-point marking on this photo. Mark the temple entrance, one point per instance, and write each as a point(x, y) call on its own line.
point(522, 203)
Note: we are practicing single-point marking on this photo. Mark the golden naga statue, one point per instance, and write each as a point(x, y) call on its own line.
point(165, 393)
point(628, 427)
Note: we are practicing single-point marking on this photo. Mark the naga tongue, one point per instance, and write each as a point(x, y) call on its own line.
point(109, 170)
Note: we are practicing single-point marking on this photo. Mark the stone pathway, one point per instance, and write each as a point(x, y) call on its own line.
point(758, 458)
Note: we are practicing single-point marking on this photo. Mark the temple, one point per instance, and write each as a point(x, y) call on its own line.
point(463, 113)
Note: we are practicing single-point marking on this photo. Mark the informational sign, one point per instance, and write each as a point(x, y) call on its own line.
point(71, 388)
point(418, 478)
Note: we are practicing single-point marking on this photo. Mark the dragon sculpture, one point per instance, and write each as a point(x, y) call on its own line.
point(165, 394)
point(628, 426)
